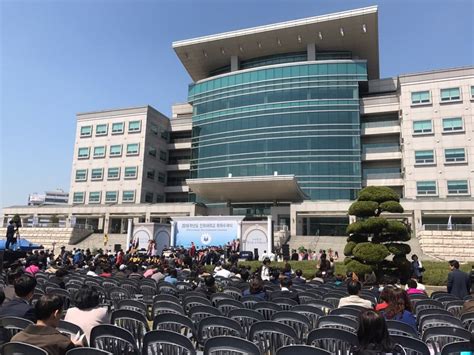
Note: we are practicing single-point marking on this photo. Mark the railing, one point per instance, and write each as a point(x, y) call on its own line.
point(379, 124)
point(382, 176)
point(388, 149)
point(448, 227)
point(178, 161)
point(180, 140)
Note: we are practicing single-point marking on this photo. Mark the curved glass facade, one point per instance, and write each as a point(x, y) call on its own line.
point(300, 119)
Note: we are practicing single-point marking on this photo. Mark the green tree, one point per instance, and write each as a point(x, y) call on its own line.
point(17, 219)
point(54, 219)
point(373, 238)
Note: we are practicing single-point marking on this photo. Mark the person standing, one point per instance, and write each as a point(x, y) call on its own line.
point(10, 234)
point(417, 268)
point(459, 283)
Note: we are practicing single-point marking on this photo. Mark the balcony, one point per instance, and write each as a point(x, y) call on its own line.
point(381, 153)
point(177, 188)
point(382, 179)
point(180, 145)
point(379, 104)
point(380, 128)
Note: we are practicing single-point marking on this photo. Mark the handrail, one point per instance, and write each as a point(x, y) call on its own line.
point(448, 227)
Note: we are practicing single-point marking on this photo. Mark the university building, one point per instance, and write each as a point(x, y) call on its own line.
point(287, 121)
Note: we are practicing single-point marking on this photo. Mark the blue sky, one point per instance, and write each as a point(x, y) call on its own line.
point(58, 58)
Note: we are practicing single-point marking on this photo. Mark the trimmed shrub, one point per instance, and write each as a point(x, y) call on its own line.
point(374, 225)
point(378, 193)
point(348, 248)
point(397, 228)
point(347, 260)
point(359, 268)
point(391, 206)
point(363, 208)
point(358, 238)
point(356, 227)
point(398, 248)
point(370, 252)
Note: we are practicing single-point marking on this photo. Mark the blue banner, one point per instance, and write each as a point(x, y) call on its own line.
point(205, 233)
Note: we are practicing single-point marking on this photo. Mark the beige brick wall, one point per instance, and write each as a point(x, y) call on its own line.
point(448, 245)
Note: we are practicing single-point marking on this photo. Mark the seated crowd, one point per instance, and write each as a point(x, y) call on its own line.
point(88, 280)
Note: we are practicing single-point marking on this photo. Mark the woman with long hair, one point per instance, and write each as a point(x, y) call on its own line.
point(373, 334)
point(400, 308)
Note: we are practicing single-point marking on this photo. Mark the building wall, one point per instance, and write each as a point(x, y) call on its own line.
point(440, 170)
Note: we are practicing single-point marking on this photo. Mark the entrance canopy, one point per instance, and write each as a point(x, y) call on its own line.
point(281, 188)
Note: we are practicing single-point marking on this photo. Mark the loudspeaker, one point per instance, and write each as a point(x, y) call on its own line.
point(285, 249)
point(117, 247)
point(255, 254)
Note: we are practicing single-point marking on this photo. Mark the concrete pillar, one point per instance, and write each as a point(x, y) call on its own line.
point(35, 220)
point(239, 231)
point(269, 234)
point(173, 233)
point(147, 217)
point(129, 232)
point(311, 50)
point(106, 223)
point(234, 63)
point(307, 220)
point(417, 222)
point(100, 224)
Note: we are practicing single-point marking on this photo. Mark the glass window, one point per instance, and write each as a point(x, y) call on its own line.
point(451, 94)
point(86, 131)
point(455, 155)
point(111, 196)
point(78, 197)
point(163, 155)
point(152, 151)
point(94, 197)
point(134, 126)
point(424, 157)
point(149, 197)
point(101, 129)
point(81, 174)
point(117, 128)
point(161, 177)
point(422, 127)
point(99, 152)
point(472, 92)
point(426, 188)
point(130, 172)
point(128, 196)
point(458, 187)
point(116, 150)
point(132, 149)
point(150, 174)
point(164, 134)
point(452, 124)
point(154, 129)
point(113, 173)
point(420, 97)
point(83, 153)
point(97, 174)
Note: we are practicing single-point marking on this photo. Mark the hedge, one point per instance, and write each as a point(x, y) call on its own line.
point(363, 208)
point(370, 252)
point(378, 193)
point(391, 206)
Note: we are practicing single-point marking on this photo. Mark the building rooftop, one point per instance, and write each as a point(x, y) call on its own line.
point(354, 30)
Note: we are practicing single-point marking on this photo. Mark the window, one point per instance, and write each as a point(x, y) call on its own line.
point(164, 134)
point(152, 151)
point(83, 153)
point(78, 197)
point(99, 152)
point(116, 150)
point(111, 196)
point(424, 157)
point(101, 129)
point(117, 128)
point(81, 175)
point(163, 155)
point(86, 131)
point(455, 155)
point(452, 94)
point(113, 174)
point(130, 172)
point(154, 129)
point(159, 198)
point(472, 92)
point(94, 197)
point(452, 125)
point(132, 149)
point(161, 177)
point(150, 174)
point(149, 197)
point(458, 187)
point(426, 188)
point(422, 127)
point(97, 174)
point(128, 196)
point(134, 126)
point(420, 97)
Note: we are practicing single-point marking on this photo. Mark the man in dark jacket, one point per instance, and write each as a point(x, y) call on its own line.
point(459, 283)
point(20, 305)
point(10, 234)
